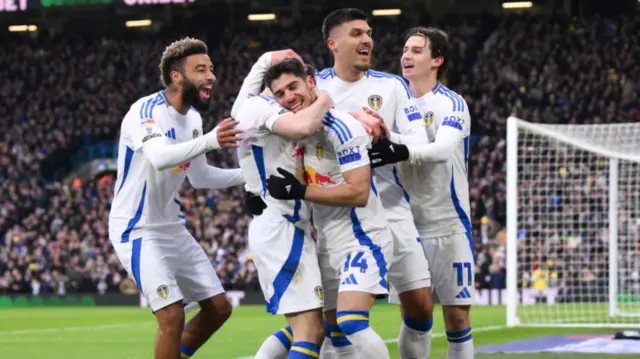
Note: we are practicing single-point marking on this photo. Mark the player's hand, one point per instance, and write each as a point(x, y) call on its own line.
point(285, 187)
point(373, 124)
point(383, 125)
point(227, 133)
point(324, 98)
point(254, 203)
point(277, 56)
point(385, 152)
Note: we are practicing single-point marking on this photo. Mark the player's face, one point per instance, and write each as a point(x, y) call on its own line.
point(416, 57)
point(351, 43)
point(292, 92)
point(198, 80)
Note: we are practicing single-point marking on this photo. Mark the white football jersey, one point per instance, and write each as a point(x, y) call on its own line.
point(341, 145)
point(389, 95)
point(440, 190)
point(262, 152)
point(146, 198)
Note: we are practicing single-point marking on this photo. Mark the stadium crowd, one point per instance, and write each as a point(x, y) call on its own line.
point(61, 93)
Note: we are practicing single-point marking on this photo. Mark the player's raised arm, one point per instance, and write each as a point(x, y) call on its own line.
point(162, 154)
point(252, 84)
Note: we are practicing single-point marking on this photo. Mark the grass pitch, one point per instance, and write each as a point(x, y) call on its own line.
point(128, 333)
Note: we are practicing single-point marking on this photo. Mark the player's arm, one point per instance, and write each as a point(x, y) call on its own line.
point(454, 127)
point(409, 125)
point(162, 154)
point(202, 175)
point(356, 172)
point(253, 82)
point(305, 122)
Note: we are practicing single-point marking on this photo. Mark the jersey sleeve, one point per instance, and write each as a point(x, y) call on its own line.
point(141, 125)
point(257, 116)
point(409, 124)
point(454, 114)
point(252, 83)
point(350, 141)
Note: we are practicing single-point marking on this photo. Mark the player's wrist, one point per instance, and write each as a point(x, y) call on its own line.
point(303, 191)
point(211, 139)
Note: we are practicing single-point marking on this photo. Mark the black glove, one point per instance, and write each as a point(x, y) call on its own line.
point(385, 152)
point(254, 203)
point(285, 187)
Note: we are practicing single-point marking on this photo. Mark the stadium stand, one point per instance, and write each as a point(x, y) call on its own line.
point(62, 95)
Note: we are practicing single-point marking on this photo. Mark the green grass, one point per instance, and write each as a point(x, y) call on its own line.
point(128, 333)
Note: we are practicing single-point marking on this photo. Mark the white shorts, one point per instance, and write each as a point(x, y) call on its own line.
point(452, 268)
point(167, 267)
point(287, 263)
point(409, 266)
point(361, 265)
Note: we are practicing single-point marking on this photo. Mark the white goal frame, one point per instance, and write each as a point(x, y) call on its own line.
point(514, 125)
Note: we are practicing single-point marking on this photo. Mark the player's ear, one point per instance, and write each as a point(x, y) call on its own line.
point(438, 61)
point(311, 82)
point(176, 78)
point(332, 45)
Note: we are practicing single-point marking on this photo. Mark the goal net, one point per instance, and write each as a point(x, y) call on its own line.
point(573, 224)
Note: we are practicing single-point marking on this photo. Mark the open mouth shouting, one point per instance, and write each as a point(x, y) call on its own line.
point(205, 92)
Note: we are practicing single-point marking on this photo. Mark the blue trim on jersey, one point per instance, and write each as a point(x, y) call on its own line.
point(128, 156)
point(296, 212)
point(258, 156)
point(338, 127)
point(180, 215)
point(325, 74)
point(380, 74)
point(462, 214)
point(373, 185)
point(436, 87)
point(364, 240)
point(146, 110)
point(466, 152)
point(285, 276)
point(458, 103)
point(136, 218)
point(136, 249)
point(397, 179)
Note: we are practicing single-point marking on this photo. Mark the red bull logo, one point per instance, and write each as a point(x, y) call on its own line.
point(183, 167)
point(316, 179)
point(299, 152)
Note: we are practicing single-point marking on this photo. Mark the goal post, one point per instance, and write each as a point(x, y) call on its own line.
point(573, 224)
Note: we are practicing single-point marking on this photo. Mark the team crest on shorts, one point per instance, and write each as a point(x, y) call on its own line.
point(163, 291)
point(319, 292)
point(319, 150)
point(195, 133)
point(375, 102)
point(428, 119)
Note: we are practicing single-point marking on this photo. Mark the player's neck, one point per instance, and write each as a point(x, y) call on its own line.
point(421, 86)
point(176, 101)
point(347, 73)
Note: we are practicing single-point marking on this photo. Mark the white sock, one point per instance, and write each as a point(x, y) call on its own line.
point(460, 344)
point(276, 346)
point(342, 348)
point(368, 344)
point(415, 339)
point(327, 351)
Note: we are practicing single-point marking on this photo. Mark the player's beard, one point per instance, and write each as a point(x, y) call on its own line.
point(191, 96)
point(363, 67)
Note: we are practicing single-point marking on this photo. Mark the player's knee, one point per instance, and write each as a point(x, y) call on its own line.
point(353, 321)
point(456, 318)
point(417, 304)
point(420, 325)
point(218, 307)
point(170, 318)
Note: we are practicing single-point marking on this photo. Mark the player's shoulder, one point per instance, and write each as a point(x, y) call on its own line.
point(325, 74)
point(260, 98)
point(390, 80)
point(343, 125)
point(145, 108)
point(449, 100)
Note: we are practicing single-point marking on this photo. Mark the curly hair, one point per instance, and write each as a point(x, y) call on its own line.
point(174, 55)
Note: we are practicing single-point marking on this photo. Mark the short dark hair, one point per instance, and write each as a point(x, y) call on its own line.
point(174, 55)
point(438, 43)
point(287, 66)
point(339, 17)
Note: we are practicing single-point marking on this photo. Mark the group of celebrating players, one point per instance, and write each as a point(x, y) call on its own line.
point(376, 166)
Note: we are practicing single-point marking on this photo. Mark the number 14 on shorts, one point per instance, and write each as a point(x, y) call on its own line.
point(357, 262)
point(461, 268)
